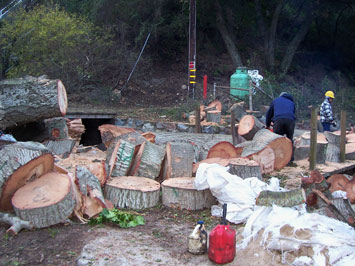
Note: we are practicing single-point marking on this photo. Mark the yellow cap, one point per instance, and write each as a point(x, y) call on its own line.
point(330, 94)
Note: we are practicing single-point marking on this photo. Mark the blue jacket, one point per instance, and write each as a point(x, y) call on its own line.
point(281, 107)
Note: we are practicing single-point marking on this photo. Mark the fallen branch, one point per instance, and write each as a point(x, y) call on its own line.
point(16, 223)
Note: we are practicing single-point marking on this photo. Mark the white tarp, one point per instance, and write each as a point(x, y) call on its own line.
point(288, 230)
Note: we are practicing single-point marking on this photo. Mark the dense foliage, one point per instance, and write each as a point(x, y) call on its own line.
point(122, 218)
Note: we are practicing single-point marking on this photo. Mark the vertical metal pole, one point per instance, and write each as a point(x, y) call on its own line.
point(192, 49)
point(313, 149)
point(342, 135)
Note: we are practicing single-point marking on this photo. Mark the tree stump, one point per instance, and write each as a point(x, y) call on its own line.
point(223, 149)
point(30, 99)
point(248, 126)
point(217, 160)
point(45, 201)
point(110, 132)
point(305, 139)
point(244, 168)
point(60, 147)
point(132, 192)
point(266, 145)
point(148, 161)
point(180, 193)
point(350, 151)
point(178, 160)
point(214, 116)
point(333, 149)
point(121, 158)
point(20, 163)
point(302, 147)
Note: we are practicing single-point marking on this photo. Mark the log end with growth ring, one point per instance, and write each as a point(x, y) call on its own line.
point(45, 201)
point(224, 150)
point(62, 98)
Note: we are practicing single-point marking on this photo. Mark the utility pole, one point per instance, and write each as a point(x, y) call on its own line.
point(192, 50)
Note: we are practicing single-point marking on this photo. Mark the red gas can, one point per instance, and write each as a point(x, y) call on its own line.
point(222, 241)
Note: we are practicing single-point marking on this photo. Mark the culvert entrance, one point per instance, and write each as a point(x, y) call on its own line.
point(92, 135)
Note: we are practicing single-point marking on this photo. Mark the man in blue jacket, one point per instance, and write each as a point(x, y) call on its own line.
point(282, 114)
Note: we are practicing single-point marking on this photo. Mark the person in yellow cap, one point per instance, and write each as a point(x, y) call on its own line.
point(326, 113)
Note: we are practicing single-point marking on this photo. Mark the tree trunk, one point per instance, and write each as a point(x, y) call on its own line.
point(148, 161)
point(248, 126)
point(20, 163)
point(178, 160)
point(227, 38)
point(60, 147)
point(223, 149)
point(45, 201)
point(132, 192)
point(283, 199)
point(30, 99)
point(244, 168)
point(261, 25)
point(298, 38)
point(202, 142)
point(180, 193)
point(270, 49)
point(264, 144)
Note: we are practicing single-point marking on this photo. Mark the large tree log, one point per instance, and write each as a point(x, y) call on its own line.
point(264, 144)
point(178, 160)
point(283, 199)
point(30, 99)
point(90, 189)
point(180, 193)
point(132, 192)
point(121, 158)
point(110, 132)
point(248, 126)
point(16, 223)
point(148, 161)
point(202, 142)
point(244, 168)
point(20, 163)
point(45, 201)
point(223, 149)
point(344, 207)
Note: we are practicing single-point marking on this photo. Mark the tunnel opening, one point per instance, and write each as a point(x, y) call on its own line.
point(92, 135)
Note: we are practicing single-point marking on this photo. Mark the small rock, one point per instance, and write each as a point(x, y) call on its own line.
point(148, 127)
point(118, 122)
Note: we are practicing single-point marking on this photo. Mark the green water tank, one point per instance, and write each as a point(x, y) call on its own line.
point(240, 80)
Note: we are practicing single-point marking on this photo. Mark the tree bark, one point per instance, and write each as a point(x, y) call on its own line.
point(20, 163)
point(180, 193)
point(227, 38)
point(110, 132)
point(60, 147)
point(283, 199)
point(56, 128)
point(16, 223)
point(248, 126)
point(45, 201)
point(333, 149)
point(30, 99)
point(244, 168)
point(132, 192)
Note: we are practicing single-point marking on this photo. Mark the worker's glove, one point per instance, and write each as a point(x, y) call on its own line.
point(334, 124)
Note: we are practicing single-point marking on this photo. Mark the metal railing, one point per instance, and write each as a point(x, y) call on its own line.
point(9, 7)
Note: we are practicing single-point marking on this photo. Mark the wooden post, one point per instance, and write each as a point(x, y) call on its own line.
point(250, 99)
point(234, 137)
point(313, 148)
point(198, 120)
point(342, 135)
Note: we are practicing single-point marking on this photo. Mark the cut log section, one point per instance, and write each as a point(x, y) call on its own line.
point(148, 161)
point(20, 163)
point(31, 99)
point(305, 139)
point(56, 128)
point(283, 199)
point(344, 207)
point(239, 110)
point(90, 188)
point(45, 201)
point(121, 158)
point(178, 160)
point(248, 126)
point(220, 161)
point(60, 147)
point(149, 136)
point(350, 151)
point(110, 132)
point(214, 105)
point(223, 149)
point(132, 192)
point(98, 169)
point(214, 116)
point(350, 138)
point(180, 193)
point(333, 149)
point(264, 144)
point(75, 128)
point(244, 168)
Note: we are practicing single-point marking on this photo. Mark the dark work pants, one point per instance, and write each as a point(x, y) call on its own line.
point(326, 126)
point(284, 126)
